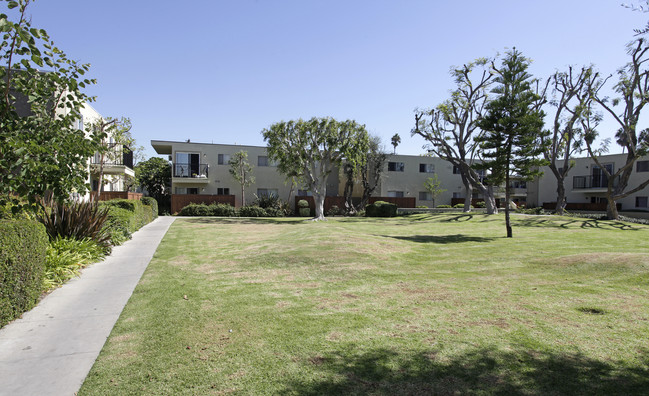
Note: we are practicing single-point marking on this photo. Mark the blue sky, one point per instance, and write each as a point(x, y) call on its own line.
point(221, 71)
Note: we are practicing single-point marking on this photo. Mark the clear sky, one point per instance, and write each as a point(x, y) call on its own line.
point(221, 71)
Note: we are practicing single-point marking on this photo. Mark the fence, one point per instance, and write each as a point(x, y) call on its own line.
point(179, 201)
point(596, 207)
point(108, 195)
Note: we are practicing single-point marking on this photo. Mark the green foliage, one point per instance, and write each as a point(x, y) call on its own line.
point(78, 220)
point(23, 246)
point(241, 171)
point(481, 204)
point(381, 209)
point(66, 257)
point(303, 203)
point(334, 210)
point(421, 207)
point(433, 186)
point(252, 211)
point(42, 150)
point(150, 201)
point(154, 175)
point(141, 214)
point(128, 204)
point(311, 149)
point(444, 206)
point(531, 211)
point(118, 225)
point(460, 206)
point(202, 209)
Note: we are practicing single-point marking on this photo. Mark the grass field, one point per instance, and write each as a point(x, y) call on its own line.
point(425, 304)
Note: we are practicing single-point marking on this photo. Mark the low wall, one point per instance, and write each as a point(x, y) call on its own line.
point(595, 207)
point(402, 202)
point(108, 195)
point(179, 201)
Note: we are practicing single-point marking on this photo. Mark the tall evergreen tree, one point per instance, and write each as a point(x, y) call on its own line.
point(512, 125)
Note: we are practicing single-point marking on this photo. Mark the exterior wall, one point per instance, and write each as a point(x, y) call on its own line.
point(543, 190)
point(411, 180)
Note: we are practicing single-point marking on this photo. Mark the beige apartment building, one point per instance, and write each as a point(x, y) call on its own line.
point(202, 169)
point(586, 184)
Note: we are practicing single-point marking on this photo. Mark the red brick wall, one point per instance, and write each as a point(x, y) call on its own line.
point(108, 195)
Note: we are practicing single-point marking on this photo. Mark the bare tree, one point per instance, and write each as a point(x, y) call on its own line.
point(571, 100)
point(451, 127)
point(633, 90)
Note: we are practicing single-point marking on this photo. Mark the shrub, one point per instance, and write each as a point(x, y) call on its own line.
point(481, 204)
point(444, 206)
point(305, 212)
point(302, 203)
point(194, 209)
point(381, 209)
point(128, 204)
point(23, 246)
point(221, 209)
point(531, 211)
point(334, 211)
point(421, 207)
point(78, 220)
point(252, 211)
point(274, 212)
point(118, 225)
point(66, 257)
point(150, 201)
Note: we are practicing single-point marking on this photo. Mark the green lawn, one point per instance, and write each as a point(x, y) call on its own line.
point(426, 304)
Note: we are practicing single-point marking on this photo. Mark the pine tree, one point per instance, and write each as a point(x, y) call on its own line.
point(513, 125)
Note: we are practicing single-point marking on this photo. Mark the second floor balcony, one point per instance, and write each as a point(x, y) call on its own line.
point(118, 155)
point(599, 182)
point(190, 170)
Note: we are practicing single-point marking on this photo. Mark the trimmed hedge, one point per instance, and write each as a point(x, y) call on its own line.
point(150, 201)
point(381, 209)
point(125, 216)
point(252, 211)
point(215, 209)
point(23, 246)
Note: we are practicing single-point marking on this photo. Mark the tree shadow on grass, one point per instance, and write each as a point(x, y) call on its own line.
point(575, 223)
point(481, 371)
point(244, 220)
point(441, 239)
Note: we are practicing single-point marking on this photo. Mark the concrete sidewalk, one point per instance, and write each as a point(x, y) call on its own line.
point(50, 350)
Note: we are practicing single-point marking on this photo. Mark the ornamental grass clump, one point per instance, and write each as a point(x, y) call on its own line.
point(76, 220)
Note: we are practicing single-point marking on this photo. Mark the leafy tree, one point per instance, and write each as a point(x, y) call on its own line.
point(116, 140)
point(512, 127)
point(396, 140)
point(369, 171)
point(633, 90)
point(311, 149)
point(451, 128)
point(42, 149)
point(154, 175)
point(565, 136)
point(241, 171)
point(434, 186)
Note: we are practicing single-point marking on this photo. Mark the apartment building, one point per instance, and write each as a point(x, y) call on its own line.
point(202, 168)
point(586, 185)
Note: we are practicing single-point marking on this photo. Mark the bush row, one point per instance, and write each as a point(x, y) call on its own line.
point(226, 210)
point(125, 216)
point(23, 246)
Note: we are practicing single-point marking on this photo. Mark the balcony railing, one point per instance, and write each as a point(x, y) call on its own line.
point(118, 155)
point(592, 181)
point(191, 170)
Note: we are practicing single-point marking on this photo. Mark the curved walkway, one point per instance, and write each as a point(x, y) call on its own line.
point(50, 350)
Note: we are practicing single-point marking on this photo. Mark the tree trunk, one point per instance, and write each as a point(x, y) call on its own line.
point(489, 199)
point(319, 206)
point(243, 196)
point(611, 210)
point(468, 197)
point(508, 224)
point(561, 197)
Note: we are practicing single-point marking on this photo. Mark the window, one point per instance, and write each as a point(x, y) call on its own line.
point(642, 166)
point(395, 194)
point(222, 191)
point(396, 166)
point(262, 160)
point(425, 196)
point(457, 195)
point(599, 200)
point(224, 159)
point(426, 168)
point(267, 192)
point(189, 190)
point(80, 125)
point(456, 170)
point(187, 164)
point(304, 193)
point(641, 202)
point(518, 184)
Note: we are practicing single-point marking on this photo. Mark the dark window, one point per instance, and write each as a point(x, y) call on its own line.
point(425, 196)
point(456, 170)
point(642, 166)
point(192, 190)
point(262, 160)
point(303, 193)
point(396, 166)
point(222, 191)
point(395, 194)
point(224, 159)
point(426, 168)
point(641, 202)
